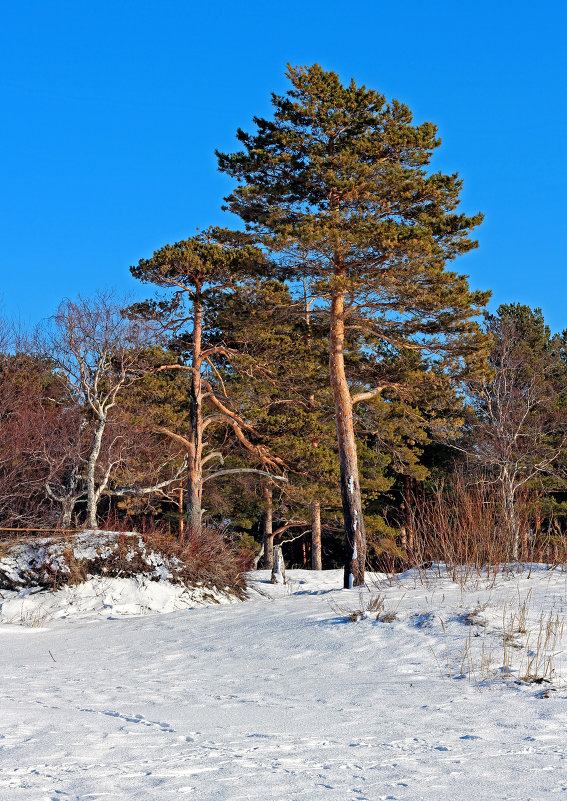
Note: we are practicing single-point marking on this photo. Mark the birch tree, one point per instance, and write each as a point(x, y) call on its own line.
point(519, 429)
point(98, 353)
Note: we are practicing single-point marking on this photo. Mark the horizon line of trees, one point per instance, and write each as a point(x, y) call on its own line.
point(300, 379)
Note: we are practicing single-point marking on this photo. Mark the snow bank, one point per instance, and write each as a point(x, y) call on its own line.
point(80, 577)
point(52, 561)
point(106, 597)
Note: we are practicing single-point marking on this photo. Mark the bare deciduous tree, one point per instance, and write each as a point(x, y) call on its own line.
point(519, 430)
point(98, 353)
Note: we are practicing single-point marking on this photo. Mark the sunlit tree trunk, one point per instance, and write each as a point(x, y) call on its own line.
point(316, 563)
point(268, 534)
point(278, 570)
point(92, 499)
point(355, 535)
point(195, 436)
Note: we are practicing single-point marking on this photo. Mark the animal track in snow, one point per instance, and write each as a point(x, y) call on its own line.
point(140, 719)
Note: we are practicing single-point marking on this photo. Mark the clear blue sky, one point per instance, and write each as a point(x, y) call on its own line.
point(111, 111)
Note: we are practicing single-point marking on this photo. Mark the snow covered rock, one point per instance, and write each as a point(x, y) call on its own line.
point(99, 572)
point(52, 562)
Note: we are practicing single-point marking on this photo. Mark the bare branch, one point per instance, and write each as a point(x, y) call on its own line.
point(244, 470)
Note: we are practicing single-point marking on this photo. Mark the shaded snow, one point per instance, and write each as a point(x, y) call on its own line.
point(282, 698)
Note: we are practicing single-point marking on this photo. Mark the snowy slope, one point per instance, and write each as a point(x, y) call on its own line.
point(283, 698)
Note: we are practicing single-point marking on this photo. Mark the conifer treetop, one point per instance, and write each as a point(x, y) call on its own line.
point(337, 183)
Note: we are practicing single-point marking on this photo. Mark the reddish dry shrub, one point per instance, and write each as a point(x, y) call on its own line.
point(210, 557)
point(462, 524)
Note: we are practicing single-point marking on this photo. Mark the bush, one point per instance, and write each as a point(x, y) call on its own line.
point(462, 524)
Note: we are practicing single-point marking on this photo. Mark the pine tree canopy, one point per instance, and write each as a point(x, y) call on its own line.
point(337, 183)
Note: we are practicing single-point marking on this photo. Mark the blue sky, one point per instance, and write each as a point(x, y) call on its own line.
point(112, 111)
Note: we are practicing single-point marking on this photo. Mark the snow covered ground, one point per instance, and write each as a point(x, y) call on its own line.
point(100, 596)
point(284, 698)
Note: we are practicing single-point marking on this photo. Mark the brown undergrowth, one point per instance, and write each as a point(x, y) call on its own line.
point(461, 526)
point(209, 558)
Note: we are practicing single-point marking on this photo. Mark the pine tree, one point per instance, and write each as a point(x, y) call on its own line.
point(336, 183)
point(203, 274)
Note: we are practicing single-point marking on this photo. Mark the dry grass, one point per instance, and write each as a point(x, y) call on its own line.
point(542, 649)
point(368, 603)
point(461, 526)
point(209, 557)
point(524, 649)
point(78, 568)
point(36, 619)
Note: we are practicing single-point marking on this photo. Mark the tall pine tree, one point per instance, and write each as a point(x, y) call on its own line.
point(336, 183)
point(202, 274)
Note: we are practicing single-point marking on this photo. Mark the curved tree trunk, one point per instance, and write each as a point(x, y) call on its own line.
point(258, 556)
point(355, 534)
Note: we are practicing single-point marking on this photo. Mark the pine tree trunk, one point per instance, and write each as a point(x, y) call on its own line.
point(268, 536)
point(195, 435)
point(537, 522)
point(194, 499)
point(180, 507)
point(355, 534)
point(404, 540)
point(316, 563)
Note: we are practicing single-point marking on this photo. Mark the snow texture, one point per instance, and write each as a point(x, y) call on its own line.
point(283, 697)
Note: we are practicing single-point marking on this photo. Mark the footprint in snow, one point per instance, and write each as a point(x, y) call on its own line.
point(137, 718)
